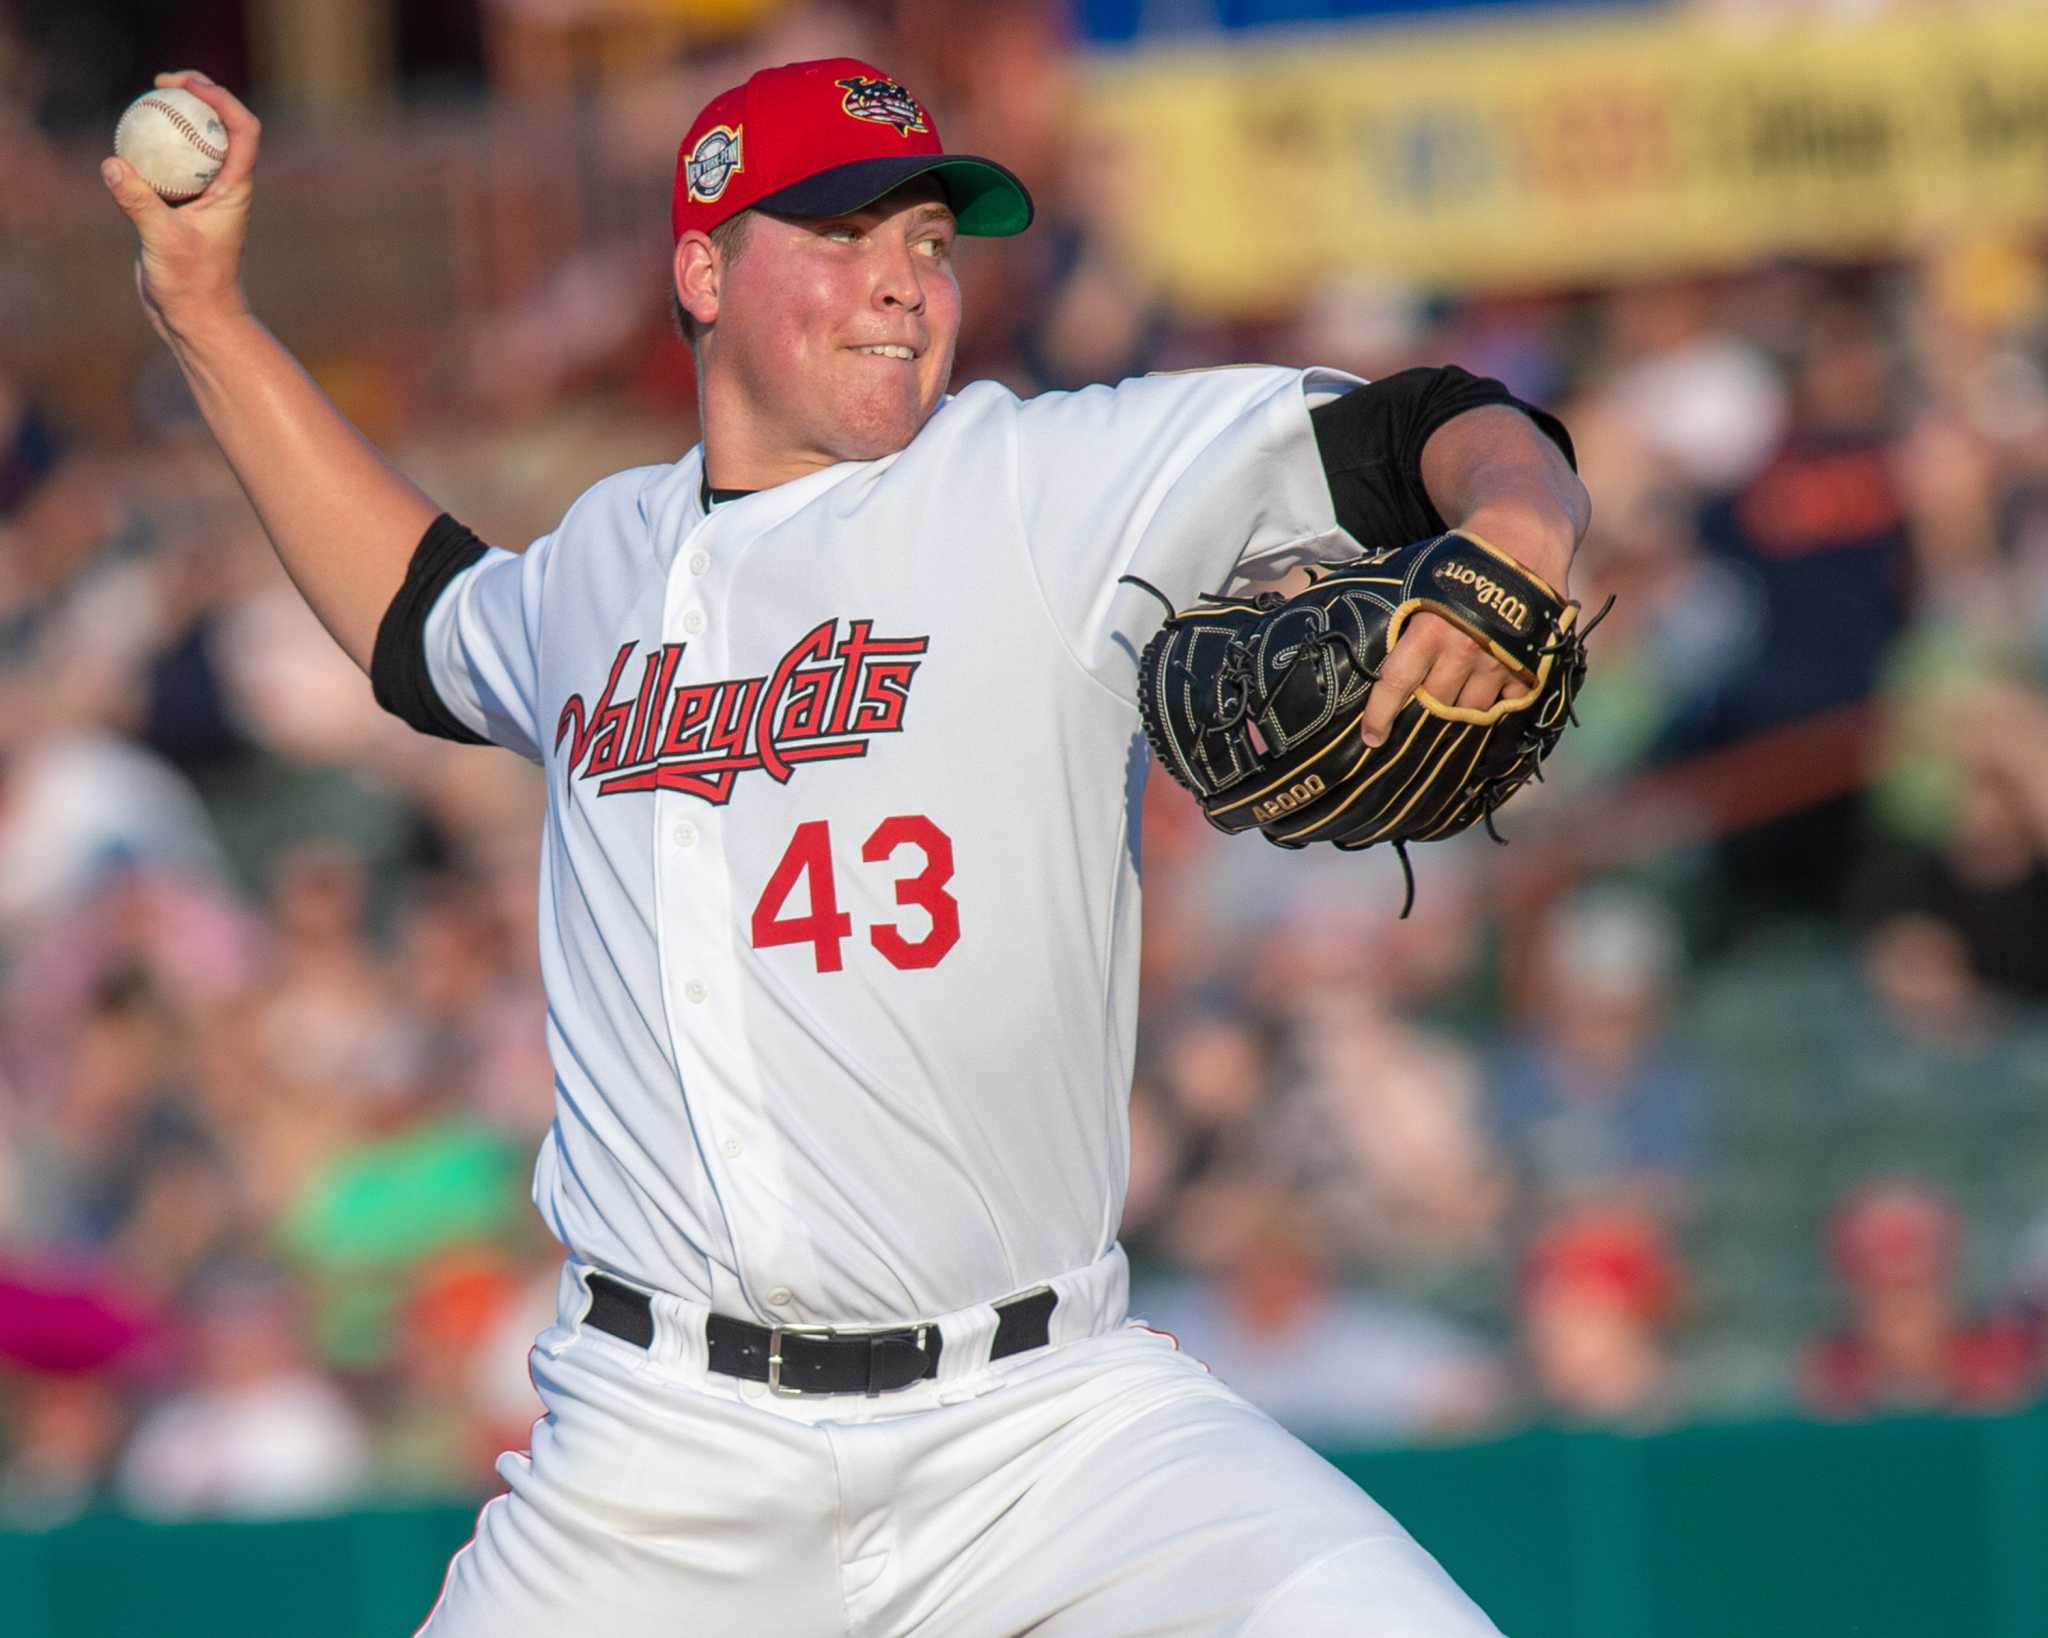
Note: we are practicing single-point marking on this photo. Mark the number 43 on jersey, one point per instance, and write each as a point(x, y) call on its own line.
point(825, 927)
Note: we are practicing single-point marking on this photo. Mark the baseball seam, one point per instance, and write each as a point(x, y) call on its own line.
point(185, 128)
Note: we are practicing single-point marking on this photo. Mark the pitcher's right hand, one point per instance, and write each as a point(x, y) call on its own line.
point(189, 261)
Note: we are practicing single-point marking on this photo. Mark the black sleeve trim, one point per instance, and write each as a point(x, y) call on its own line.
point(398, 663)
point(1371, 443)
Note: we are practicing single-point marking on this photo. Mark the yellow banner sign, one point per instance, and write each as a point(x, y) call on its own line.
point(1488, 156)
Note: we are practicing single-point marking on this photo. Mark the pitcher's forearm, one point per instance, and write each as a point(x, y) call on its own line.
point(344, 521)
point(1493, 471)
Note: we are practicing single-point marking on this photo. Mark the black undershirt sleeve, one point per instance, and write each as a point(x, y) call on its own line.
point(398, 660)
point(1371, 443)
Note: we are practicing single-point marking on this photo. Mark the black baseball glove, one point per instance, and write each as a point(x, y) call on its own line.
point(1255, 705)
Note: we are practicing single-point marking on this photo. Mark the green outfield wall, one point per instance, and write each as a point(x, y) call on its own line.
point(1899, 1529)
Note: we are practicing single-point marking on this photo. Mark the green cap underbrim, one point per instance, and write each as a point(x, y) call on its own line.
point(987, 200)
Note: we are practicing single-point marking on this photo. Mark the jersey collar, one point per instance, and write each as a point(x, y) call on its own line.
point(707, 497)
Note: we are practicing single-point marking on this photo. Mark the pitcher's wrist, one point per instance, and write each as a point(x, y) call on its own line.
point(1540, 538)
point(199, 326)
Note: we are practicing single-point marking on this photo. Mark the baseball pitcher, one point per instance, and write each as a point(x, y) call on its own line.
point(839, 899)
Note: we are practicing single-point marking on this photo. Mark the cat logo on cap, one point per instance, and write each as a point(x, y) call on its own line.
point(713, 162)
point(883, 101)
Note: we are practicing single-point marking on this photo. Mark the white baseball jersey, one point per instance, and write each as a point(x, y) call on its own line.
point(839, 893)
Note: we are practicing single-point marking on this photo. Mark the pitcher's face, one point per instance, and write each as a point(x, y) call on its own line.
point(839, 332)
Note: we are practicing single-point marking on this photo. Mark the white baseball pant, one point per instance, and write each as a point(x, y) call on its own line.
point(1104, 1486)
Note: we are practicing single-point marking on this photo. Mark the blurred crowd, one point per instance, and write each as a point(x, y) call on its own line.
point(1723, 1090)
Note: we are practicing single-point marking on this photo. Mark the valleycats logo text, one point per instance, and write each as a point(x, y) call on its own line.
point(825, 699)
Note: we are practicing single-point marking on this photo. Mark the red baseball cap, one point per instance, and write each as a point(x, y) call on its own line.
point(1609, 1251)
point(826, 137)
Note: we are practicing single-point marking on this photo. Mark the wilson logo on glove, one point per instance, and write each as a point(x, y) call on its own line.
point(1489, 594)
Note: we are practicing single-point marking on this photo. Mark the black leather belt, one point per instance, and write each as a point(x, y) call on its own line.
point(798, 1359)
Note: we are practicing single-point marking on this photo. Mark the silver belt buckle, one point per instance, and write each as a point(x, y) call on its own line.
point(775, 1335)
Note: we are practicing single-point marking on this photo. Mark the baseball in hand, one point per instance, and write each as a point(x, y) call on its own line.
point(175, 142)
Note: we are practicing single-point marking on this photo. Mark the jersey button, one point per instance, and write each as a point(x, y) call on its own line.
point(732, 1147)
point(693, 622)
point(700, 562)
point(779, 1297)
point(696, 992)
point(685, 834)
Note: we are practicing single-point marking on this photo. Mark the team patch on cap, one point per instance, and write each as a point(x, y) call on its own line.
point(713, 162)
point(883, 101)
